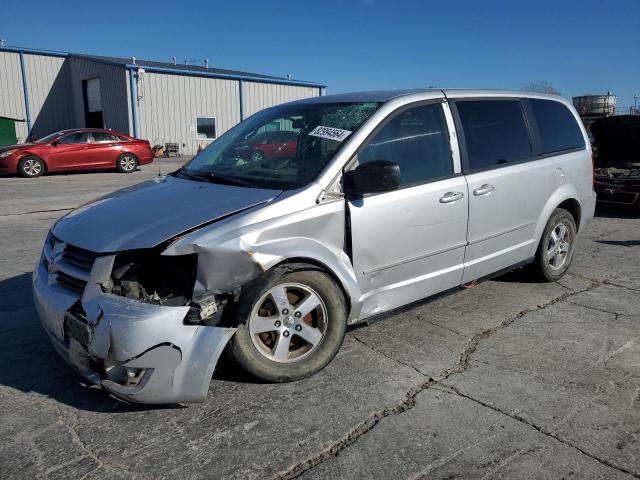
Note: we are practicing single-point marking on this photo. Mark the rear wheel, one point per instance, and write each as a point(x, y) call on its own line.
point(556, 247)
point(293, 324)
point(31, 167)
point(126, 163)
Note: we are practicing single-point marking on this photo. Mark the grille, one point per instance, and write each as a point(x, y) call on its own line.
point(78, 257)
point(72, 266)
point(72, 283)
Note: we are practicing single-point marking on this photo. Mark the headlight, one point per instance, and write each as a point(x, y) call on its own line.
point(6, 153)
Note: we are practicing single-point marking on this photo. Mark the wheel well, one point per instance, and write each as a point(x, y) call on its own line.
point(34, 156)
point(130, 153)
point(296, 264)
point(573, 207)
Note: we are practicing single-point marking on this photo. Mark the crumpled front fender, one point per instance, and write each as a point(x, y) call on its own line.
point(178, 359)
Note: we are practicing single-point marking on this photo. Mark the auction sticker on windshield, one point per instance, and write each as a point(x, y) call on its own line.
point(330, 133)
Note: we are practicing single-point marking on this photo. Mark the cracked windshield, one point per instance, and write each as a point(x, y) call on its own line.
point(280, 148)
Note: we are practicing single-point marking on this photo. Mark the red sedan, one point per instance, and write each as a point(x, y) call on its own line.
point(78, 149)
point(268, 145)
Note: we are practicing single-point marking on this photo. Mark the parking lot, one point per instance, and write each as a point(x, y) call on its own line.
point(509, 379)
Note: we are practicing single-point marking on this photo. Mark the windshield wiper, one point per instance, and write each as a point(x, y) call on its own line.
point(188, 173)
point(214, 178)
point(217, 178)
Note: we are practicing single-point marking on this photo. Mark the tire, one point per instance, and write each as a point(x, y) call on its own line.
point(556, 247)
point(275, 350)
point(31, 167)
point(127, 163)
point(256, 156)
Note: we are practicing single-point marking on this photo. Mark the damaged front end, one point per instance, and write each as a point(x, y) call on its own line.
point(130, 321)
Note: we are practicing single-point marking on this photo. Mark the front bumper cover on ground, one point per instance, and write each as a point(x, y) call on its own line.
point(177, 360)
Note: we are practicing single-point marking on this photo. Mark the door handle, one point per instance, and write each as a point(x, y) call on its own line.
point(485, 189)
point(451, 197)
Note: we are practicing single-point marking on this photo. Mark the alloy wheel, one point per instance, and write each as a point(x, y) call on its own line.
point(288, 322)
point(559, 246)
point(32, 167)
point(128, 163)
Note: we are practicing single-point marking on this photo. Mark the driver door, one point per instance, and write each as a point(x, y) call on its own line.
point(71, 151)
point(409, 243)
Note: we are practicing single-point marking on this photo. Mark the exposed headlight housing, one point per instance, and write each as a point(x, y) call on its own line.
point(147, 276)
point(6, 153)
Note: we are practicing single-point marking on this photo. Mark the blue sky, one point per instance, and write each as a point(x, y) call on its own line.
point(581, 46)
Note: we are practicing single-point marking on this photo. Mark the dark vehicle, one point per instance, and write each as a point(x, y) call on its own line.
point(617, 159)
point(267, 146)
point(77, 149)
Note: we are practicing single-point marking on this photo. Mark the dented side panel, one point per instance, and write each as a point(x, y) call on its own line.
point(232, 254)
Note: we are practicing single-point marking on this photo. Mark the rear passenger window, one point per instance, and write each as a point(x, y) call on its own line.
point(557, 126)
point(495, 132)
point(418, 141)
point(75, 138)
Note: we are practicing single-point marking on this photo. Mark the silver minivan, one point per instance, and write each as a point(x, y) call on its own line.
point(271, 245)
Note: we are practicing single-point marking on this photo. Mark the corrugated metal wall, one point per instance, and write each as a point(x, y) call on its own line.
point(11, 94)
point(49, 94)
point(258, 96)
point(170, 104)
point(167, 109)
point(113, 87)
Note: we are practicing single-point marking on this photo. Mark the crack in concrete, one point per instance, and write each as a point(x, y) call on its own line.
point(36, 211)
point(355, 433)
point(473, 342)
point(601, 310)
point(72, 428)
point(626, 287)
point(373, 419)
point(386, 355)
point(544, 431)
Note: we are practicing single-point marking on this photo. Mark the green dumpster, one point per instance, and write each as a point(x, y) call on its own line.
point(8, 131)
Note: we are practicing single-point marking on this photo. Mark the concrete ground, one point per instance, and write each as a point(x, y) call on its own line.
point(511, 379)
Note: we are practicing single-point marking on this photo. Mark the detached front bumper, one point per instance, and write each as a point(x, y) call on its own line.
point(138, 352)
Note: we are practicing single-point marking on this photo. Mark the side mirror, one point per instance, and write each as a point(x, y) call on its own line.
point(55, 143)
point(372, 177)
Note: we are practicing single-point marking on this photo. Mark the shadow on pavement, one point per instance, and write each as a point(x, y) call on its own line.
point(611, 210)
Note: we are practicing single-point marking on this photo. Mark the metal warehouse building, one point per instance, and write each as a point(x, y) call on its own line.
point(45, 91)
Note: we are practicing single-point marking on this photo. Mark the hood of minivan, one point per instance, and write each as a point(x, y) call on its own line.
point(144, 215)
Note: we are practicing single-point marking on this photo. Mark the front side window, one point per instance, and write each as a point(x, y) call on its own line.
point(495, 132)
point(418, 141)
point(557, 126)
point(49, 138)
point(81, 137)
point(283, 147)
point(206, 127)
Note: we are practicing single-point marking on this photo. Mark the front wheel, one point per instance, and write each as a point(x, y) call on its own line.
point(556, 247)
point(293, 324)
point(31, 167)
point(126, 163)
